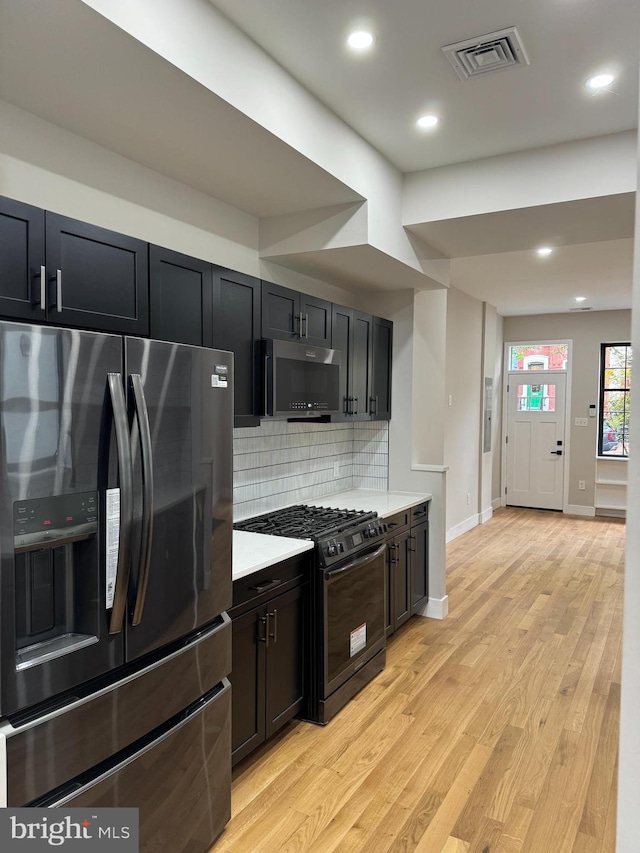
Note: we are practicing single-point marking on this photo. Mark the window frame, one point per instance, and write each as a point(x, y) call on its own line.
point(601, 392)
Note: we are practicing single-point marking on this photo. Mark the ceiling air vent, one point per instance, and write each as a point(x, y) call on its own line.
point(485, 54)
point(582, 308)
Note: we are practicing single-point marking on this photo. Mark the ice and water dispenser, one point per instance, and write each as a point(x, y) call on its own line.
point(56, 575)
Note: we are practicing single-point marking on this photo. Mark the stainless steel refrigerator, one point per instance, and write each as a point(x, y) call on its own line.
point(115, 548)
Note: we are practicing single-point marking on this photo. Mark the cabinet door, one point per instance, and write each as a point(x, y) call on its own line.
point(247, 682)
point(98, 279)
point(401, 580)
point(285, 671)
point(280, 312)
point(388, 589)
point(361, 365)
point(342, 339)
point(381, 369)
point(22, 274)
point(315, 328)
point(180, 294)
point(236, 327)
point(419, 566)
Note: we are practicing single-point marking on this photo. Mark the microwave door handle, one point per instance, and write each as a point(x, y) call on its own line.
point(142, 417)
point(357, 563)
point(123, 446)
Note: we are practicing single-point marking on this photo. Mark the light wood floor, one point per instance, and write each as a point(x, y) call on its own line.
point(494, 730)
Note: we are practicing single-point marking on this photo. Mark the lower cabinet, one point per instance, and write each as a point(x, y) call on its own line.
point(407, 578)
point(269, 670)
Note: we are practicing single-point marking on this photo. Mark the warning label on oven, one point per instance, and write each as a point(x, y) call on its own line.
point(357, 640)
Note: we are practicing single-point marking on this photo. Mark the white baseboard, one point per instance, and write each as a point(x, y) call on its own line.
point(497, 503)
point(436, 608)
point(576, 509)
point(486, 514)
point(463, 527)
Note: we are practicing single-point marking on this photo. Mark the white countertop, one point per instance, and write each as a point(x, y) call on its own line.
point(255, 551)
point(384, 503)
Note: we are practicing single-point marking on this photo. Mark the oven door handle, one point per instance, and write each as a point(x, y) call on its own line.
point(356, 564)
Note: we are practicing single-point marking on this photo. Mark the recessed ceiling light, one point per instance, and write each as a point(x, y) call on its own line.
point(427, 122)
point(599, 81)
point(360, 40)
point(544, 250)
point(581, 298)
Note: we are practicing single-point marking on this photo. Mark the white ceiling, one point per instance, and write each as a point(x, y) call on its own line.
point(62, 61)
point(524, 283)
point(82, 73)
point(406, 74)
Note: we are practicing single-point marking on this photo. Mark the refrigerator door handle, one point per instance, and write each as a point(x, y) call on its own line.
point(121, 427)
point(142, 417)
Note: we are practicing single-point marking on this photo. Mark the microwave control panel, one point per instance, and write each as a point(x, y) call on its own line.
point(53, 521)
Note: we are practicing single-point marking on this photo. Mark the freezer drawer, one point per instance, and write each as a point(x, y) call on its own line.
point(180, 779)
point(88, 729)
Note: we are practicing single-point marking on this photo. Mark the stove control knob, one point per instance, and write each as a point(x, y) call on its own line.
point(331, 549)
point(366, 533)
point(340, 548)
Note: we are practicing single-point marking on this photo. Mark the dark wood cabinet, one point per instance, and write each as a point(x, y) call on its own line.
point(419, 557)
point(23, 282)
point(352, 334)
point(236, 327)
point(98, 279)
point(399, 574)
point(381, 357)
point(63, 271)
point(269, 653)
point(181, 298)
point(291, 316)
point(407, 579)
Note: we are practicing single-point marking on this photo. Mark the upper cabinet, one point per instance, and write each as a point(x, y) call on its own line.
point(97, 278)
point(59, 270)
point(381, 356)
point(291, 316)
point(23, 281)
point(181, 297)
point(236, 327)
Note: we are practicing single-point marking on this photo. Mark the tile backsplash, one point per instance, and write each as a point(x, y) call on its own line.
point(280, 463)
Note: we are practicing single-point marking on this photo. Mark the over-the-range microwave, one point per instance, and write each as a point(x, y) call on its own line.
point(301, 381)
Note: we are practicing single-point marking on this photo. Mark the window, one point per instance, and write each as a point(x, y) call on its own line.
point(615, 385)
point(538, 357)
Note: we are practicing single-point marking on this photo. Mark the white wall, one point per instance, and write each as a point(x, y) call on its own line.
point(464, 378)
point(628, 830)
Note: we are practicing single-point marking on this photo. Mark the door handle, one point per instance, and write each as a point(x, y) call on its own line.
point(355, 400)
point(264, 620)
point(59, 291)
point(123, 446)
point(373, 405)
point(43, 288)
point(273, 615)
point(142, 417)
point(556, 452)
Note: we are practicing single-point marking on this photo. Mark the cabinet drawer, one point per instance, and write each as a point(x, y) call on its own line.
point(396, 523)
point(419, 513)
point(262, 586)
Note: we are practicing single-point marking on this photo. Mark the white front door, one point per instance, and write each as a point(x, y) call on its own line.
point(535, 439)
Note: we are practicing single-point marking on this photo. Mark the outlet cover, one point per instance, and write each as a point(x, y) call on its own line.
point(581, 422)
point(581, 485)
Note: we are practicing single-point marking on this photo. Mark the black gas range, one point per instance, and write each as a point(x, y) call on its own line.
point(338, 533)
point(347, 597)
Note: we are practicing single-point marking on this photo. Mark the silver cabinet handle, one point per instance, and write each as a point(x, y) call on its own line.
point(59, 291)
point(306, 325)
point(43, 288)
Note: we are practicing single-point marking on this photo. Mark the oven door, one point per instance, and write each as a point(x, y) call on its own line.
point(353, 598)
